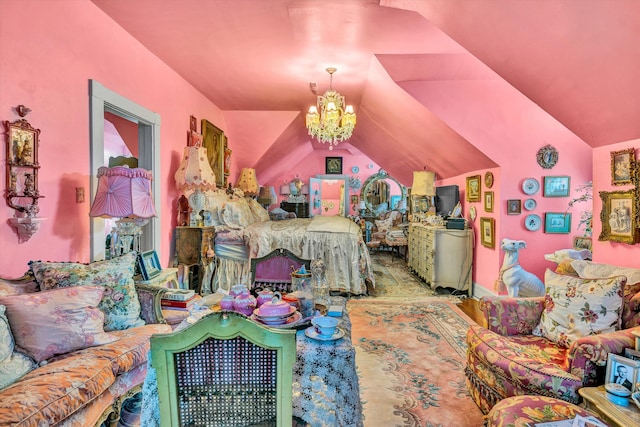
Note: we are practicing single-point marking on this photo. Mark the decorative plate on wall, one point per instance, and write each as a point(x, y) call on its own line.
point(530, 204)
point(530, 186)
point(473, 213)
point(355, 169)
point(532, 222)
point(547, 156)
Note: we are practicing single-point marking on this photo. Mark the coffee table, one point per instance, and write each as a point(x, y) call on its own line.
point(616, 415)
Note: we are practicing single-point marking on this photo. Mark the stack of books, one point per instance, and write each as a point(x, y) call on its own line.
point(178, 299)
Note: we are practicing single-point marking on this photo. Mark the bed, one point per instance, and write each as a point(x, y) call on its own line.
point(245, 231)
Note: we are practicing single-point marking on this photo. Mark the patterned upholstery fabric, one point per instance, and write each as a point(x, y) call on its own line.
point(505, 359)
point(528, 410)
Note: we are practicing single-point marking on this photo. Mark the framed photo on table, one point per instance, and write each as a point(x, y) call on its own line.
point(622, 370)
point(622, 166)
point(149, 265)
point(556, 186)
point(487, 232)
point(618, 216)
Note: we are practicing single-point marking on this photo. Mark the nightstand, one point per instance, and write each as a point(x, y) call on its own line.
point(619, 416)
point(168, 278)
point(300, 209)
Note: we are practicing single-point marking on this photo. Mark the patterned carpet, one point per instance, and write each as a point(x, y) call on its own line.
point(410, 351)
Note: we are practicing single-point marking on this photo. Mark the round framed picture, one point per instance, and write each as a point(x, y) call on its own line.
point(532, 222)
point(530, 186)
point(488, 179)
point(530, 204)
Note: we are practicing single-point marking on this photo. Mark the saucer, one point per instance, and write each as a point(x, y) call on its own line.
point(311, 333)
point(279, 323)
point(256, 312)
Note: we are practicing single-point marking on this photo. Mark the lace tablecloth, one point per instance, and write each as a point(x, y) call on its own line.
point(325, 382)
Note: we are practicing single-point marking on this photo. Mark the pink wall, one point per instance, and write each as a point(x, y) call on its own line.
point(48, 69)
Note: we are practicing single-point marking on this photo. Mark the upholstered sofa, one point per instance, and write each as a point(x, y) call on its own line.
point(540, 345)
point(74, 341)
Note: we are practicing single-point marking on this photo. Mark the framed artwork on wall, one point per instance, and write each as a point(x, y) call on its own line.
point(622, 166)
point(619, 217)
point(488, 201)
point(487, 232)
point(473, 188)
point(556, 186)
point(580, 242)
point(333, 165)
point(214, 141)
point(193, 124)
point(514, 207)
point(557, 222)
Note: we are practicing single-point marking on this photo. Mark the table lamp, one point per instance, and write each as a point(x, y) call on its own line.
point(195, 174)
point(124, 193)
point(424, 185)
point(248, 182)
point(267, 196)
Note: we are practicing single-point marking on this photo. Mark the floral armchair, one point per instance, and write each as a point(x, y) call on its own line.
point(507, 359)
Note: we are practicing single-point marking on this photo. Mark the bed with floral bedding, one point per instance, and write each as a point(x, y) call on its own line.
point(244, 231)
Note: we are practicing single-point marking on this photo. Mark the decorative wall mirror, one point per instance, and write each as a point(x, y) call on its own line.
point(382, 192)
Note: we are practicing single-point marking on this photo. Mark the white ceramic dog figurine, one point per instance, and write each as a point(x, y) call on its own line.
point(519, 282)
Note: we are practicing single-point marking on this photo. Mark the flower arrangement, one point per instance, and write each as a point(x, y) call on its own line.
point(584, 194)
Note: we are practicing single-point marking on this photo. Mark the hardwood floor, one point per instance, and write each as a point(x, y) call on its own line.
point(471, 307)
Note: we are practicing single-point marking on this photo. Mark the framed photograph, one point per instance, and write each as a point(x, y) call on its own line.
point(193, 124)
point(149, 265)
point(619, 217)
point(195, 139)
point(580, 243)
point(556, 186)
point(514, 207)
point(354, 199)
point(557, 222)
point(487, 232)
point(622, 166)
point(488, 201)
point(213, 140)
point(473, 188)
point(333, 165)
point(622, 370)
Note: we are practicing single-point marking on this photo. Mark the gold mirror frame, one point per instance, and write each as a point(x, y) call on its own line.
point(368, 184)
point(619, 222)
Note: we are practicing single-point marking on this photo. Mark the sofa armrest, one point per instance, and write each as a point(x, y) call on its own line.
point(149, 296)
point(512, 316)
point(596, 348)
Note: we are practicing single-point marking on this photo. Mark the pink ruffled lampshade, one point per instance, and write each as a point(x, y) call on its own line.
point(123, 192)
point(195, 171)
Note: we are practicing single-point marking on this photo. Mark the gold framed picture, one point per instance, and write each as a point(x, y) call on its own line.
point(581, 242)
point(487, 232)
point(488, 201)
point(214, 141)
point(619, 217)
point(473, 188)
point(622, 166)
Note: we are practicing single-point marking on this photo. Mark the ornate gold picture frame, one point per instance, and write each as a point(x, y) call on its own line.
point(623, 166)
point(619, 216)
point(473, 188)
point(214, 141)
point(488, 201)
point(487, 232)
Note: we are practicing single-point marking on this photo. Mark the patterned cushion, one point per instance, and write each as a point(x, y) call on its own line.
point(259, 213)
point(530, 410)
point(576, 307)
point(57, 321)
point(565, 267)
point(120, 302)
point(13, 364)
point(7, 288)
point(237, 214)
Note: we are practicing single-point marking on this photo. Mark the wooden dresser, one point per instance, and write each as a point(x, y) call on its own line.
point(300, 209)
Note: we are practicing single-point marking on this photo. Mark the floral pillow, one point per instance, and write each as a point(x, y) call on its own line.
point(13, 364)
point(57, 321)
point(575, 307)
point(120, 302)
point(259, 213)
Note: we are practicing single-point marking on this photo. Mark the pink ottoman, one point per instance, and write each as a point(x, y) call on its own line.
point(522, 411)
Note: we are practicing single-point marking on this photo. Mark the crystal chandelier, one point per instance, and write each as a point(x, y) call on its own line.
point(331, 121)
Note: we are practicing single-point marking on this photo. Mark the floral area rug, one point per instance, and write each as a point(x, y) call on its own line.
point(411, 357)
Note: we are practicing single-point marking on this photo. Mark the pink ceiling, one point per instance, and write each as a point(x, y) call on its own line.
point(441, 84)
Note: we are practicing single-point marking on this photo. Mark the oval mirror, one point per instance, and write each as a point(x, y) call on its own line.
point(382, 192)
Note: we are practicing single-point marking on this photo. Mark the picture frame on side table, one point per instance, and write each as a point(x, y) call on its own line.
point(213, 140)
point(487, 232)
point(556, 186)
point(619, 217)
point(514, 207)
point(149, 265)
point(473, 188)
point(488, 201)
point(627, 369)
point(580, 242)
point(333, 165)
point(557, 223)
point(622, 166)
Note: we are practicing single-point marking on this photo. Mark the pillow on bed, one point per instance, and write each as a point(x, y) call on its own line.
point(217, 200)
point(237, 214)
point(259, 213)
point(13, 364)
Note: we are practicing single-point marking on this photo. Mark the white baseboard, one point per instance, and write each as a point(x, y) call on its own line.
point(480, 291)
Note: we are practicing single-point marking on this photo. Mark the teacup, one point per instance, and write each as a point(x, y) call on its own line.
point(325, 326)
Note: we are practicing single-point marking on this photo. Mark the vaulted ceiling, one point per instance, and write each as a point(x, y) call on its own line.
point(442, 84)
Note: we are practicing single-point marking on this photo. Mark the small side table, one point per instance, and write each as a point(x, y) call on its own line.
point(168, 278)
point(595, 399)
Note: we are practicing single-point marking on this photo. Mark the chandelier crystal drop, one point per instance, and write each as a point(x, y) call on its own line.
point(331, 121)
